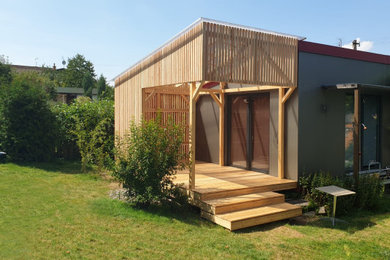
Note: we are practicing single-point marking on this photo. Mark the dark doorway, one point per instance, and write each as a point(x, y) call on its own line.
point(370, 117)
point(249, 131)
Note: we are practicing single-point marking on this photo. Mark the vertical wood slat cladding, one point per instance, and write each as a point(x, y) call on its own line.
point(250, 57)
point(180, 61)
point(206, 52)
point(170, 102)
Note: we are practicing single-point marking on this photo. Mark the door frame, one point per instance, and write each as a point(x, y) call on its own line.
point(249, 130)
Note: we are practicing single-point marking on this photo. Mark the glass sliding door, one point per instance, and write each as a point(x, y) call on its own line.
point(370, 129)
point(249, 131)
point(349, 132)
point(238, 134)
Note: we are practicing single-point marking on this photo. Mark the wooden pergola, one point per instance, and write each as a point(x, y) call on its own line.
point(172, 78)
point(218, 95)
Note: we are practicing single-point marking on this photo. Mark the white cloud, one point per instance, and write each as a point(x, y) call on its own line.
point(364, 45)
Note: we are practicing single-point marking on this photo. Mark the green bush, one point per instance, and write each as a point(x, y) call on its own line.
point(27, 129)
point(368, 193)
point(147, 160)
point(89, 126)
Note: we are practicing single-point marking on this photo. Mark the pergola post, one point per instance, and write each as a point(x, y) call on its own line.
point(281, 135)
point(356, 137)
point(222, 126)
point(283, 97)
point(194, 95)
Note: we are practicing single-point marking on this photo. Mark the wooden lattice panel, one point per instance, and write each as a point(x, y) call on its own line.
point(170, 102)
point(246, 56)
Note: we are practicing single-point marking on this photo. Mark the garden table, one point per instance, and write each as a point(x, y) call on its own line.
point(335, 191)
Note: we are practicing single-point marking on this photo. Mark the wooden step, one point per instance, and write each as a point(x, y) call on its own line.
point(247, 201)
point(215, 193)
point(255, 216)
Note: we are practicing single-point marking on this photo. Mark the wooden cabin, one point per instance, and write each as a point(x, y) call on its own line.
point(257, 118)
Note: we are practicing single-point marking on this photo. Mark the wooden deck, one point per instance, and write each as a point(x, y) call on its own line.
point(237, 198)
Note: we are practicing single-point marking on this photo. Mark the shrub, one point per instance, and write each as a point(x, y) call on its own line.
point(147, 160)
point(368, 194)
point(27, 129)
point(89, 125)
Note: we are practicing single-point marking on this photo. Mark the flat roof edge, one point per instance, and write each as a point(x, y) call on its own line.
point(335, 51)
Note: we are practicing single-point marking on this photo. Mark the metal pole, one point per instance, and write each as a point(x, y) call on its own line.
point(334, 208)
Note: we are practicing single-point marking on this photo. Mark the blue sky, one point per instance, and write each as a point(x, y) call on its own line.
point(116, 34)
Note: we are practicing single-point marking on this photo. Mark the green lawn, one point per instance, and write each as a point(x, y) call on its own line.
point(51, 211)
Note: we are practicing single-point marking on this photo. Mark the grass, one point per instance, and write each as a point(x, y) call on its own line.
point(51, 211)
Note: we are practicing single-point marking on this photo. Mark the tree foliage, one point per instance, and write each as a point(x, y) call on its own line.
point(89, 125)
point(101, 85)
point(148, 159)
point(77, 69)
point(27, 129)
point(5, 74)
point(88, 84)
point(104, 91)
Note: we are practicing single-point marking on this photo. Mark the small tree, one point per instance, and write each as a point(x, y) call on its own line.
point(88, 84)
point(101, 85)
point(148, 159)
point(27, 125)
point(76, 70)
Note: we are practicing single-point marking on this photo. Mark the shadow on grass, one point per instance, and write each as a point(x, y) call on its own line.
point(355, 221)
point(159, 214)
point(349, 225)
point(59, 166)
point(262, 228)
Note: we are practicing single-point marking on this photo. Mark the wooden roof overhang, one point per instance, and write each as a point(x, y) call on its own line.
point(210, 50)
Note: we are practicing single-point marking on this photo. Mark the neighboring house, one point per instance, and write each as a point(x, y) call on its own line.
point(67, 95)
point(64, 94)
point(262, 101)
point(24, 68)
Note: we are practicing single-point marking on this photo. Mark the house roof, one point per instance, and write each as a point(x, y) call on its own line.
point(78, 91)
point(24, 68)
point(323, 49)
point(207, 20)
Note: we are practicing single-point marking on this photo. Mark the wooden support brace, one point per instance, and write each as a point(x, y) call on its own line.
point(196, 91)
point(288, 94)
point(185, 98)
point(216, 99)
point(150, 95)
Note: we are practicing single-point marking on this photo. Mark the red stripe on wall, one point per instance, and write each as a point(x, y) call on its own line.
point(334, 51)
